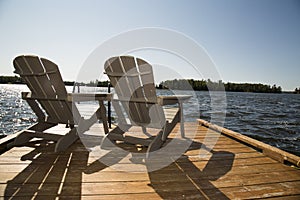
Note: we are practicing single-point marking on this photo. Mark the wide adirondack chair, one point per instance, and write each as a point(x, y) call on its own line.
point(137, 104)
point(51, 103)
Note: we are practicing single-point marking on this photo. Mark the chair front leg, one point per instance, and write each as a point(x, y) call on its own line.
point(181, 118)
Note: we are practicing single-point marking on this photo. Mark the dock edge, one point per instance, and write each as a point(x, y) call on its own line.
point(273, 152)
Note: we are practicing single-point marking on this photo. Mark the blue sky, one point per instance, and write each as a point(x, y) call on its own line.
point(255, 41)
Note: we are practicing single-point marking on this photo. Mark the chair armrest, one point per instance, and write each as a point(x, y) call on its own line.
point(136, 100)
point(169, 100)
point(30, 96)
point(161, 100)
point(77, 97)
point(72, 97)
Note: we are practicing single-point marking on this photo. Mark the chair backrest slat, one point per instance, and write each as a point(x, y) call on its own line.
point(55, 78)
point(133, 80)
point(45, 82)
point(147, 79)
point(137, 110)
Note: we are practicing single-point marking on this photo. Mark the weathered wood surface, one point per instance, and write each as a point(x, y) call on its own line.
point(277, 154)
point(232, 171)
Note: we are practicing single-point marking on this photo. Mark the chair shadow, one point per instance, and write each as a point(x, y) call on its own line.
point(181, 179)
point(53, 175)
point(49, 175)
point(184, 180)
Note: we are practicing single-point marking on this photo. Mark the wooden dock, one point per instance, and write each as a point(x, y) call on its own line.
point(233, 170)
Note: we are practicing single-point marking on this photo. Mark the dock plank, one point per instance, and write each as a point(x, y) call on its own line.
point(232, 170)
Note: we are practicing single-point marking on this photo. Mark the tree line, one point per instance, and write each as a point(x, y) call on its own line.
point(180, 84)
point(11, 80)
point(203, 85)
point(19, 80)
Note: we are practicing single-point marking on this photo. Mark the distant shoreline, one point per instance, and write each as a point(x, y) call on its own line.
point(67, 84)
point(198, 85)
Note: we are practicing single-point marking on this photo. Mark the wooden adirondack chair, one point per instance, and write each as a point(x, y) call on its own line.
point(137, 103)
point(51, 103)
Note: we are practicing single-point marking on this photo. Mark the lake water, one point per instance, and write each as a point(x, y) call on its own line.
point(270, 118)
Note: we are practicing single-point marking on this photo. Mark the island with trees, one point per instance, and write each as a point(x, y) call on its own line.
point(203, 85)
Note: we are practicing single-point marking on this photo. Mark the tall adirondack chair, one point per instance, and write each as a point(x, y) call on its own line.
point(137, 103)
point(50, 102)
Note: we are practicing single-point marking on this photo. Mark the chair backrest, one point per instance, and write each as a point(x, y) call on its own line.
point(132, 79)
point(45, 82)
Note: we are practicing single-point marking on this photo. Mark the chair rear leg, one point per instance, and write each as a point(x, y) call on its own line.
point(66, 140)
point(156, 144)
point(116, 134)
point(144, 129)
